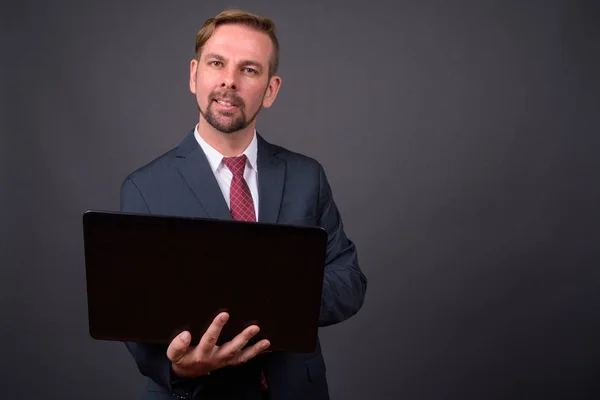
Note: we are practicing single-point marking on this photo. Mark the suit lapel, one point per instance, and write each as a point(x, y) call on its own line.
point(195, 169)
point(271, 178)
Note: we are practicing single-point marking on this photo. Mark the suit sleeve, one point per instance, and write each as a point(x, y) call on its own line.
point(344, 284)
point(151, 359)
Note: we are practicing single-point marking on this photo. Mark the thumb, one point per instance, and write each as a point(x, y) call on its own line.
point(178, 346)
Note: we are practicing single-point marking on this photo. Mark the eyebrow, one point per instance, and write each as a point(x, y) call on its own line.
point(244, 63)
point(215, 56)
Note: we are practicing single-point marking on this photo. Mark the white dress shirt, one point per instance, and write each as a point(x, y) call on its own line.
point(224, 175)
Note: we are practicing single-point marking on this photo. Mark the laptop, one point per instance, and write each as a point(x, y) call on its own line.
point(150, 277)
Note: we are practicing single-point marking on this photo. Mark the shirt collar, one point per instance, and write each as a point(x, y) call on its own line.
point(215, 158)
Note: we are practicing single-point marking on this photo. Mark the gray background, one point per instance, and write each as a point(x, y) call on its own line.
point(461, 139)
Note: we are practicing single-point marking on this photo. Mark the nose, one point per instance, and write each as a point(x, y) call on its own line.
point(229, 79)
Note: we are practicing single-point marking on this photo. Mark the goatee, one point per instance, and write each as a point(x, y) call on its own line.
point(229, 125)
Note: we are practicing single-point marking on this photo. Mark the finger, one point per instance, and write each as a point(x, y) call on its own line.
point(241, 340)
point(178, 346)
point(252, 351)
point(210, 337)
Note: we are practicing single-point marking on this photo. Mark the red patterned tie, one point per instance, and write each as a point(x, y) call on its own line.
point(240, 198)
point(241, 204)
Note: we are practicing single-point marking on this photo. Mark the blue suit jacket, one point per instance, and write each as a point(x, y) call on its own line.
point(293, 189)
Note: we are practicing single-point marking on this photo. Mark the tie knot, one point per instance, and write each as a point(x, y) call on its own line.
point(236, 164)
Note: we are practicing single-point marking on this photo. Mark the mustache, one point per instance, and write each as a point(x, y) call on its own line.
point(229, 97)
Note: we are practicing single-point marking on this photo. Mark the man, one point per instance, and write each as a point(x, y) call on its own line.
point(224, 169)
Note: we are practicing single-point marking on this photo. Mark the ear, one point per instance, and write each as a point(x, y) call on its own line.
point(271, 92)
point(193, 75)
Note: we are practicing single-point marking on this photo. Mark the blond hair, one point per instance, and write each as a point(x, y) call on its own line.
point(235, 16)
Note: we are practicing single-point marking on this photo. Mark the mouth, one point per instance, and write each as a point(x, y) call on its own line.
point(226, 104)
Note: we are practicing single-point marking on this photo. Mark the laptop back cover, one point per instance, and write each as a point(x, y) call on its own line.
point(150, 277)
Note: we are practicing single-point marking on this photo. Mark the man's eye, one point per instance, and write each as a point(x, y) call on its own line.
point(216, 63)
point(250, 71)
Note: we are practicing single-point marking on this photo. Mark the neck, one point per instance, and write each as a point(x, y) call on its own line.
point(229, 144)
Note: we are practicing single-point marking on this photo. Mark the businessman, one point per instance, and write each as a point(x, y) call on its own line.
point(224, 169)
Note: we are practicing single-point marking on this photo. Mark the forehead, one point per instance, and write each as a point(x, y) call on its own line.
point(239, 41)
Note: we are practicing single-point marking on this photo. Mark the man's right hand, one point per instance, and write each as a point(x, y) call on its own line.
point(193, 361)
